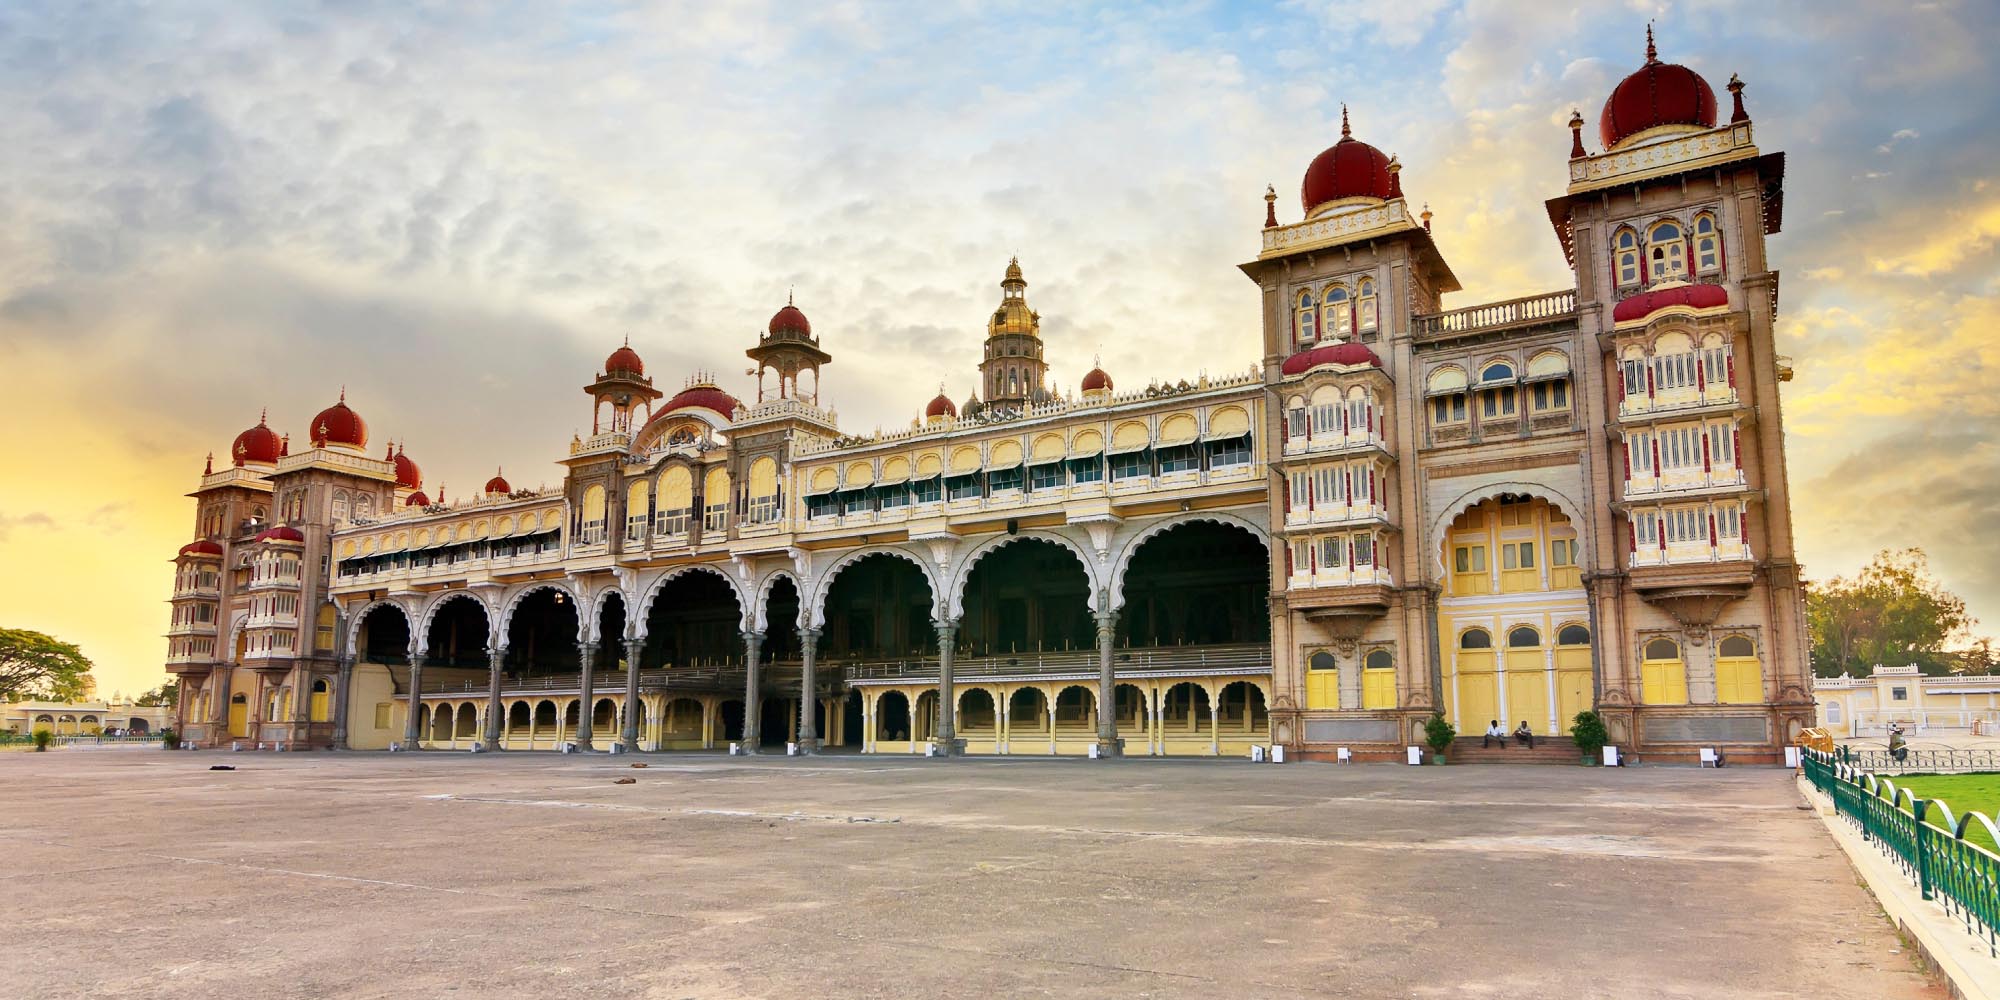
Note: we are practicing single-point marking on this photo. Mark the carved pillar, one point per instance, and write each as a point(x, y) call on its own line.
point(808, 725)
point(343, 680)
point(753, 647)
point(587, 652)
point(628, 737)
point(495, 659)
point(412, 735)
point(1108, 743)
point(945, 739)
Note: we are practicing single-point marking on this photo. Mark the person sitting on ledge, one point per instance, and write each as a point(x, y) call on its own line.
point(1525, 735)
point(1495, 734)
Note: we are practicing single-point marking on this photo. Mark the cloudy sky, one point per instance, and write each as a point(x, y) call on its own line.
point(456, 210)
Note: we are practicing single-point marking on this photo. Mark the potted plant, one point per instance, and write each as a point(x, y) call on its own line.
point(42, 738)
point(1587, 729)
point(1439, 734)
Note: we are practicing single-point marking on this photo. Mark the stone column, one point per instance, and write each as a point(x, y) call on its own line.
point(808, 726)
point(412, 736)
point(343, 680)
point(495, 715)
point(753, 647)
point(586, 694)
point(629, 736)
point(945, 738)
point(1108, 743)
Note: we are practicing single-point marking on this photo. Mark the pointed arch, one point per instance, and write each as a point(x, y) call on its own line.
point(956, 603)
point(652, 593)
point(437, 603)
point(815, 610)
point(1450, 512)
point(354, 622)
point(1115, 587)
point(760, 612)
point(596, 605)
point(513, 603)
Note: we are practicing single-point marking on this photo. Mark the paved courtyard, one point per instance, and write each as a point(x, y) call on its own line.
point(139, 873)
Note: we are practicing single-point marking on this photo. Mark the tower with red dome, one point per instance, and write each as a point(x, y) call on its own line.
point(622, 395)
point(787, 346)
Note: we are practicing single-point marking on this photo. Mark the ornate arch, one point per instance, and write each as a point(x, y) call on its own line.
point(1556, 498)
point(636, 624)
point(431, 608)
point(597, 600)
point(955, 605)
point(760, 618)
point(1116, 587)
point(354, 624)
point(816, 608)
point(513, 604)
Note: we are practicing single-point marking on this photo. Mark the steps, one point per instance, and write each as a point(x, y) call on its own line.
point(1547, 750)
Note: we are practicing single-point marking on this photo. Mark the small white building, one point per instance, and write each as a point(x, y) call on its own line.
point(1864, 706)
point(83, 718)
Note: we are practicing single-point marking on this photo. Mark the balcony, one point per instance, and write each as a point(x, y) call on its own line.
point(1333, 444)
point(1675, 485)
point(1716, 398)
point(1548, 309)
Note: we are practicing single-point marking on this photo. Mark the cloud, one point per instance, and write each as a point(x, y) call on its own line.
point(32, 519)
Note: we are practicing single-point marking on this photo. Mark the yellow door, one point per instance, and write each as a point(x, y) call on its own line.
point(1527, 691)
point(1739, 680)
point(1322, 681)
point(318, 707)
point(1478, 692)
point(1663, 682)
point(239, 717)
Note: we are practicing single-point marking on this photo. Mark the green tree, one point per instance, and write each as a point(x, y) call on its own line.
point(1894, 612)
point(34, 666)
point(166, 695)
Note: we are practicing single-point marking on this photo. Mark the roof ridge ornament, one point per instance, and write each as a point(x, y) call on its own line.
point(1652, 51)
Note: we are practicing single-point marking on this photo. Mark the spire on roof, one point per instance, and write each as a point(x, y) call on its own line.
point(1652, 51)
point(1345, 133)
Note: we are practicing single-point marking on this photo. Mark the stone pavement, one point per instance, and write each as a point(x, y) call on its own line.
point(144, 874)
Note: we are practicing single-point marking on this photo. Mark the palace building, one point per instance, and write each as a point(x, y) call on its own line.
point(1513, 510)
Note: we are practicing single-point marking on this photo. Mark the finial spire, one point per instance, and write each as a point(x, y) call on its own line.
point(789, 289)
point(343, 393)
point(1737, 114)
point(1576, 151)
point(1345, 133)
point(1426, 216)
point(263, 413)
point(1652, 51)
point(1270, 206)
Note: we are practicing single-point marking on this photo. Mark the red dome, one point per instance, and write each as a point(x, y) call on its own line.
point(1658, 94)
point(259, 444)
point(703, 395)
point(624, 359)
point(1096, 379)
point(204, 547)
point(339, 426)
point(942, 406)
point(1692, 296)
point(407, 473)
point(498, 484)
point(417, 499)
point(1349, 168)
point(791, 320)
point(281, 533)
point(1346, 355)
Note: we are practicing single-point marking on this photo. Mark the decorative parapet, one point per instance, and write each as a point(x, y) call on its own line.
point(1683, 152)
point(1340, 227)
point(248, 478)
point(782, 409)
point(328, 458)
point(1531, 310)
point(989, 418)
point(607, 441)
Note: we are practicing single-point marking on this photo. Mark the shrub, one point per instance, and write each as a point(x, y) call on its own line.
point(171, 739)
point(1587, 729)
point(1439, 733)
point(43, 737)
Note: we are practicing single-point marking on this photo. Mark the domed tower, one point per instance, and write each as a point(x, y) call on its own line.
point(1013, 372)
point(789, 347)
point(619, 392)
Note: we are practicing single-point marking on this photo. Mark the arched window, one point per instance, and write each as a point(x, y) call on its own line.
point(1339, 314)
point(1365, 305)
point(1498, 371)
point(1321, 660)
point(1707, 244)
point(1498, 400)
point(1662, 676)
point(1296, 417)
point(1573, 635)
point(1832, 714)
point(1625, 258)
point(1475, 638)
point(1381, 659)
point(1663, 649)
point(1308, 322)
point(1523, 637)
point(1666, 252)
point(1737, 645)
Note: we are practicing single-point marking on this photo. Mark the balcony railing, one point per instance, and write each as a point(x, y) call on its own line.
point(1532, 310)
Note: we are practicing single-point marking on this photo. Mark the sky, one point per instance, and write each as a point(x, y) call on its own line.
point(455, 211)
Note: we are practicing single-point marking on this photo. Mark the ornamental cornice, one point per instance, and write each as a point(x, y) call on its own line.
point(1688, 152)
point(1342, 227)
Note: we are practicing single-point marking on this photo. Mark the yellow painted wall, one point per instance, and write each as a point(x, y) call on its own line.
point(371, 686)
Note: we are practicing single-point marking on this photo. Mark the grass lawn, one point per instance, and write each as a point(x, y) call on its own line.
point(1965, 793)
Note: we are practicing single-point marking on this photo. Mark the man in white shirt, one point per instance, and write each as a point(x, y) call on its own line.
point(1495, 733)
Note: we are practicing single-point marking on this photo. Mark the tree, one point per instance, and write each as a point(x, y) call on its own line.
point(166, 695)
point(34, 666)
point(1978, 658)
point(1894, 612)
